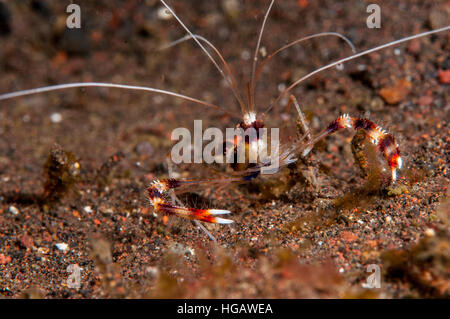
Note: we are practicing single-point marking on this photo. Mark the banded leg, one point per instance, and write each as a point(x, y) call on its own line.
point(384, 141)
point(158, 191)
point(176, 200)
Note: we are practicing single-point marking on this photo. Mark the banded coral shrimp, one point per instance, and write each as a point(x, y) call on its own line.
point(385, 141)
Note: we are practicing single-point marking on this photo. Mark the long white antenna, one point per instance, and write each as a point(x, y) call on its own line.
point(309, 37)
point(205, 51)
point(107, 85)
point(255, 56)
point(225, 64)
point(386, 45)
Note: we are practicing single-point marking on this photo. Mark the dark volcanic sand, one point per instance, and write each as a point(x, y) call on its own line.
point(296, 241)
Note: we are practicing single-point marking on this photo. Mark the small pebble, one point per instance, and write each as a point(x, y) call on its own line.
point(396, 93)
point(62, 246)
point(87, 209)
point(13, 210)
point(106, 210)
point(42, 250)
point(56, 117)
point(263, 52)
point(444, 76)
point(429, 232)
point(232, 8)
